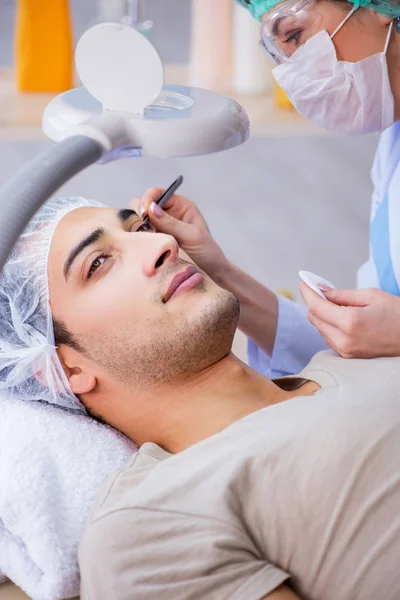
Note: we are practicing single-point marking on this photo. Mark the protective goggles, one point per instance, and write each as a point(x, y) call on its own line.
point(289, 26)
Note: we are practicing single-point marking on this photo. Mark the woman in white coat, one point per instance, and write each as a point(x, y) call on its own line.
point(339, 63)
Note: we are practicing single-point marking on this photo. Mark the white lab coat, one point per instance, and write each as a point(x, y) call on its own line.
point(296, 339)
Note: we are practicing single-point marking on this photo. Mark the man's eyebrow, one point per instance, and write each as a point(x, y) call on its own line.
point(94, 237)
point(126, 213)
point(275, 26)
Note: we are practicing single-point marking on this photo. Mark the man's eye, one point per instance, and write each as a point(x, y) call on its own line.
point(144, 227)
point(96, 264)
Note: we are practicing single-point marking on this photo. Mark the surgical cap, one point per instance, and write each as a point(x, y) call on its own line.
point(29, 366)
point(387, 7)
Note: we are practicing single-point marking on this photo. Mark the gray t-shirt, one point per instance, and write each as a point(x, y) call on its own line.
point(307, 489)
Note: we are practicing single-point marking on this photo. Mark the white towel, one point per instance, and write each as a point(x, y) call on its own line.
point(52, 463)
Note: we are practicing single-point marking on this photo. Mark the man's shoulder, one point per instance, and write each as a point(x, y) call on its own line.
point(116, 497)
point(117, 491)
point(353, 371)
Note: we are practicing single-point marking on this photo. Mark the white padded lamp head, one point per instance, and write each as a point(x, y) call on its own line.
point(124, 106)
point(119, 67)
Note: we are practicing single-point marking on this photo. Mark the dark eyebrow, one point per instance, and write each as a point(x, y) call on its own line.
point(275, 26)
point(95, 236)
point(126, 213)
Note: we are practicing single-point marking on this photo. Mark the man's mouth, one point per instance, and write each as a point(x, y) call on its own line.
point(186, 280)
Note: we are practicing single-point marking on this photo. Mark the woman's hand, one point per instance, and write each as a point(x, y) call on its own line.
point(356, 323)
point(183, 220)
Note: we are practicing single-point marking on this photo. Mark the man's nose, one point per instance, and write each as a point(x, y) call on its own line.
point(164, 251)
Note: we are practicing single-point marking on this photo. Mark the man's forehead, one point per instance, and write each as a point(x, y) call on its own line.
point(79, 223)
point(83, 219)
point(84, 214)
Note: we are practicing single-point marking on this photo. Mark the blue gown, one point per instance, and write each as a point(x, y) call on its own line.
point(296, 339)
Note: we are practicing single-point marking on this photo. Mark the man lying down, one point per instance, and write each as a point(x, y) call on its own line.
point(243, 488)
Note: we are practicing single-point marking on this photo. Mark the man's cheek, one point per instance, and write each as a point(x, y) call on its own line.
point(109, 308)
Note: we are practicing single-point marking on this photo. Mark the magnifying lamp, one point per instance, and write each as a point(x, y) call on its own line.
point(122, 110)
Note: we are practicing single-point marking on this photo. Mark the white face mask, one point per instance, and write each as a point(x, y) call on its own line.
point(340, 96)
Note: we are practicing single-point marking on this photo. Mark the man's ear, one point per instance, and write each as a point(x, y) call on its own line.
point(81, 379)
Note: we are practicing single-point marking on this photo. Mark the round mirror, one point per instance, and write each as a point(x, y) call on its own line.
point(119, 67)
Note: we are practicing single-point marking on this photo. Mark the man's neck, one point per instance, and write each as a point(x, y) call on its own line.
point(203, 406)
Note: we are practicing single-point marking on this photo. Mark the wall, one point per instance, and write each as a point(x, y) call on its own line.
point(171, 32)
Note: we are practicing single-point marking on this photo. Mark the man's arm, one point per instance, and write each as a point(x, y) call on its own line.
point(282, 593)
point(172, 555)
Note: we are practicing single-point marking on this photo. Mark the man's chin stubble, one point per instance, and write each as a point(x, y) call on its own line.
point(207, 338)
point(173, 353)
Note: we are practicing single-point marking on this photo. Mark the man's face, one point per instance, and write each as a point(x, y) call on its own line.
point(116, 289)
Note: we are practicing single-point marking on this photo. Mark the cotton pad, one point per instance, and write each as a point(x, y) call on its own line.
point(313, 281)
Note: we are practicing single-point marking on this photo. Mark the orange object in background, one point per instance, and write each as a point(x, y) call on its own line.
point(44, 46)
point(280, 98)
